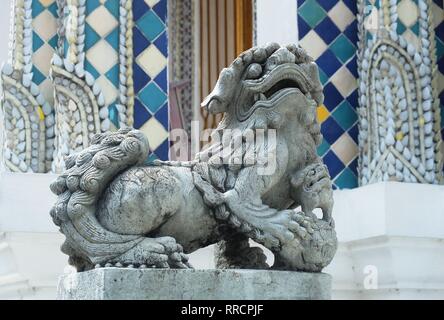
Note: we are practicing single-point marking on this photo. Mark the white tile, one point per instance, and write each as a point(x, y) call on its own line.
point(151, 3)
point(102, 21)
point(155, 132)
point(42, 58)
point(341, 15)
point(345, 148)
point(152, 61)
point(408, 12)
point(102, 56)
point(47, 89)
point(45, 25)
point(109, 91)
point(438, 14)
point(313, 44)
point(344, 81)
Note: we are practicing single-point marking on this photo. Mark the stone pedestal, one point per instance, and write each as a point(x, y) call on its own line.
point(164, 284)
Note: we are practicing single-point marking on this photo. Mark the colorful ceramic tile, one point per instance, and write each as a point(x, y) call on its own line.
point(328, 31)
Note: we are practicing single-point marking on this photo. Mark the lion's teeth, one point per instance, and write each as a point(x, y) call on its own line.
point(263, 97)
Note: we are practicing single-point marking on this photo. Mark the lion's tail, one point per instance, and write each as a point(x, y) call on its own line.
point(80, 187)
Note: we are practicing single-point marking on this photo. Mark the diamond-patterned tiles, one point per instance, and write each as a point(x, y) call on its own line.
point(102, 49)
point(328, 31)
point(44, 41)
point(150, 74)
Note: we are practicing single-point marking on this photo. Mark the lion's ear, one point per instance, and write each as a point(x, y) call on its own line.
point(214, 104)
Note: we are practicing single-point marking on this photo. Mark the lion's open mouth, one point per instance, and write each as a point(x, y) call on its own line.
point(279, 86)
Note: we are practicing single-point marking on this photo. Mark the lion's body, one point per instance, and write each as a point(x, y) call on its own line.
point(114, 210)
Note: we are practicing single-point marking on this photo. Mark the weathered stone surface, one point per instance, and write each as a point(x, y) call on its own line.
point(179, 284)
point(260, 167)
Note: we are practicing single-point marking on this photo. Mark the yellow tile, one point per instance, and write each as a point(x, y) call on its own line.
point(46, 3)
point(323, 113)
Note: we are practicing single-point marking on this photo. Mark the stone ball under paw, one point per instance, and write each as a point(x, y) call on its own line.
point(311, 254)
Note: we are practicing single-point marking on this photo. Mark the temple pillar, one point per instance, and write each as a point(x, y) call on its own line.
point(399, 114)
point(26, 101)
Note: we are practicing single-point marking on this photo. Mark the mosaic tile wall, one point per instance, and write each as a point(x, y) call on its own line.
point(151, 74)
point(101, 48)
point(328, 31)
point(44, 43)
point(150, 70)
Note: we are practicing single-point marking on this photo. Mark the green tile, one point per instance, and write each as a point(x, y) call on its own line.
point(345, 115)
point(312, 12)
point(152, 97)
point(415, 28)
point(37, 42)
point(346, 180)
point(323, 148)
point(343, 48)
point(400, 27)
point(322, 76)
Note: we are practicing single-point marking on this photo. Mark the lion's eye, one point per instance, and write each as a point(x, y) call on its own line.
point(254, 71)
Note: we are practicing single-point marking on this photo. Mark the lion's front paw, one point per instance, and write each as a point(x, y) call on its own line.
point(163, 252)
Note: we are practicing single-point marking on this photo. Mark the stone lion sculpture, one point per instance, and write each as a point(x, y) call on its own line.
point(115, 210)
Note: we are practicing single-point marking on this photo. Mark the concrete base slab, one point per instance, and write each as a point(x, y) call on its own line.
point(170, 284)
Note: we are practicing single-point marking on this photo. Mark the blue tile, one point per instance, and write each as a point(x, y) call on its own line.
point(353, 132)
point(352, 31)
point(303, 28)
point(352, 5)
point(141, 114)
point(162, 80)
point(160, 9)
point(113, 38)
point(352, 66)
point(53, 8)
point(162, 44)
point(53, 42)
point(89, 68)
point(139, 9)
point(162, 151)
point(328, 63)
point(139, 41)
point(346, 180)
point(327, 4)
point(37, 42)
point(162, 115)
point(36, 8)
point(113, 7)
point(113, 75)
point(327, 30)
point(91, 37)
point(152, 97)
point(114, 115)
point(331, 130)
point(91, 5)
point(140, 78)
point(150, 25)
point(354, 166)
point(37, 76)
point(332, 97)
point(353, 99)
point(335, 166)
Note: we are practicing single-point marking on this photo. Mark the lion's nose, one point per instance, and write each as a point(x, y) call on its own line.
point(281, 56)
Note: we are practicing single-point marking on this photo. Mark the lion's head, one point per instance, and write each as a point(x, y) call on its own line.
point(270, 87)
